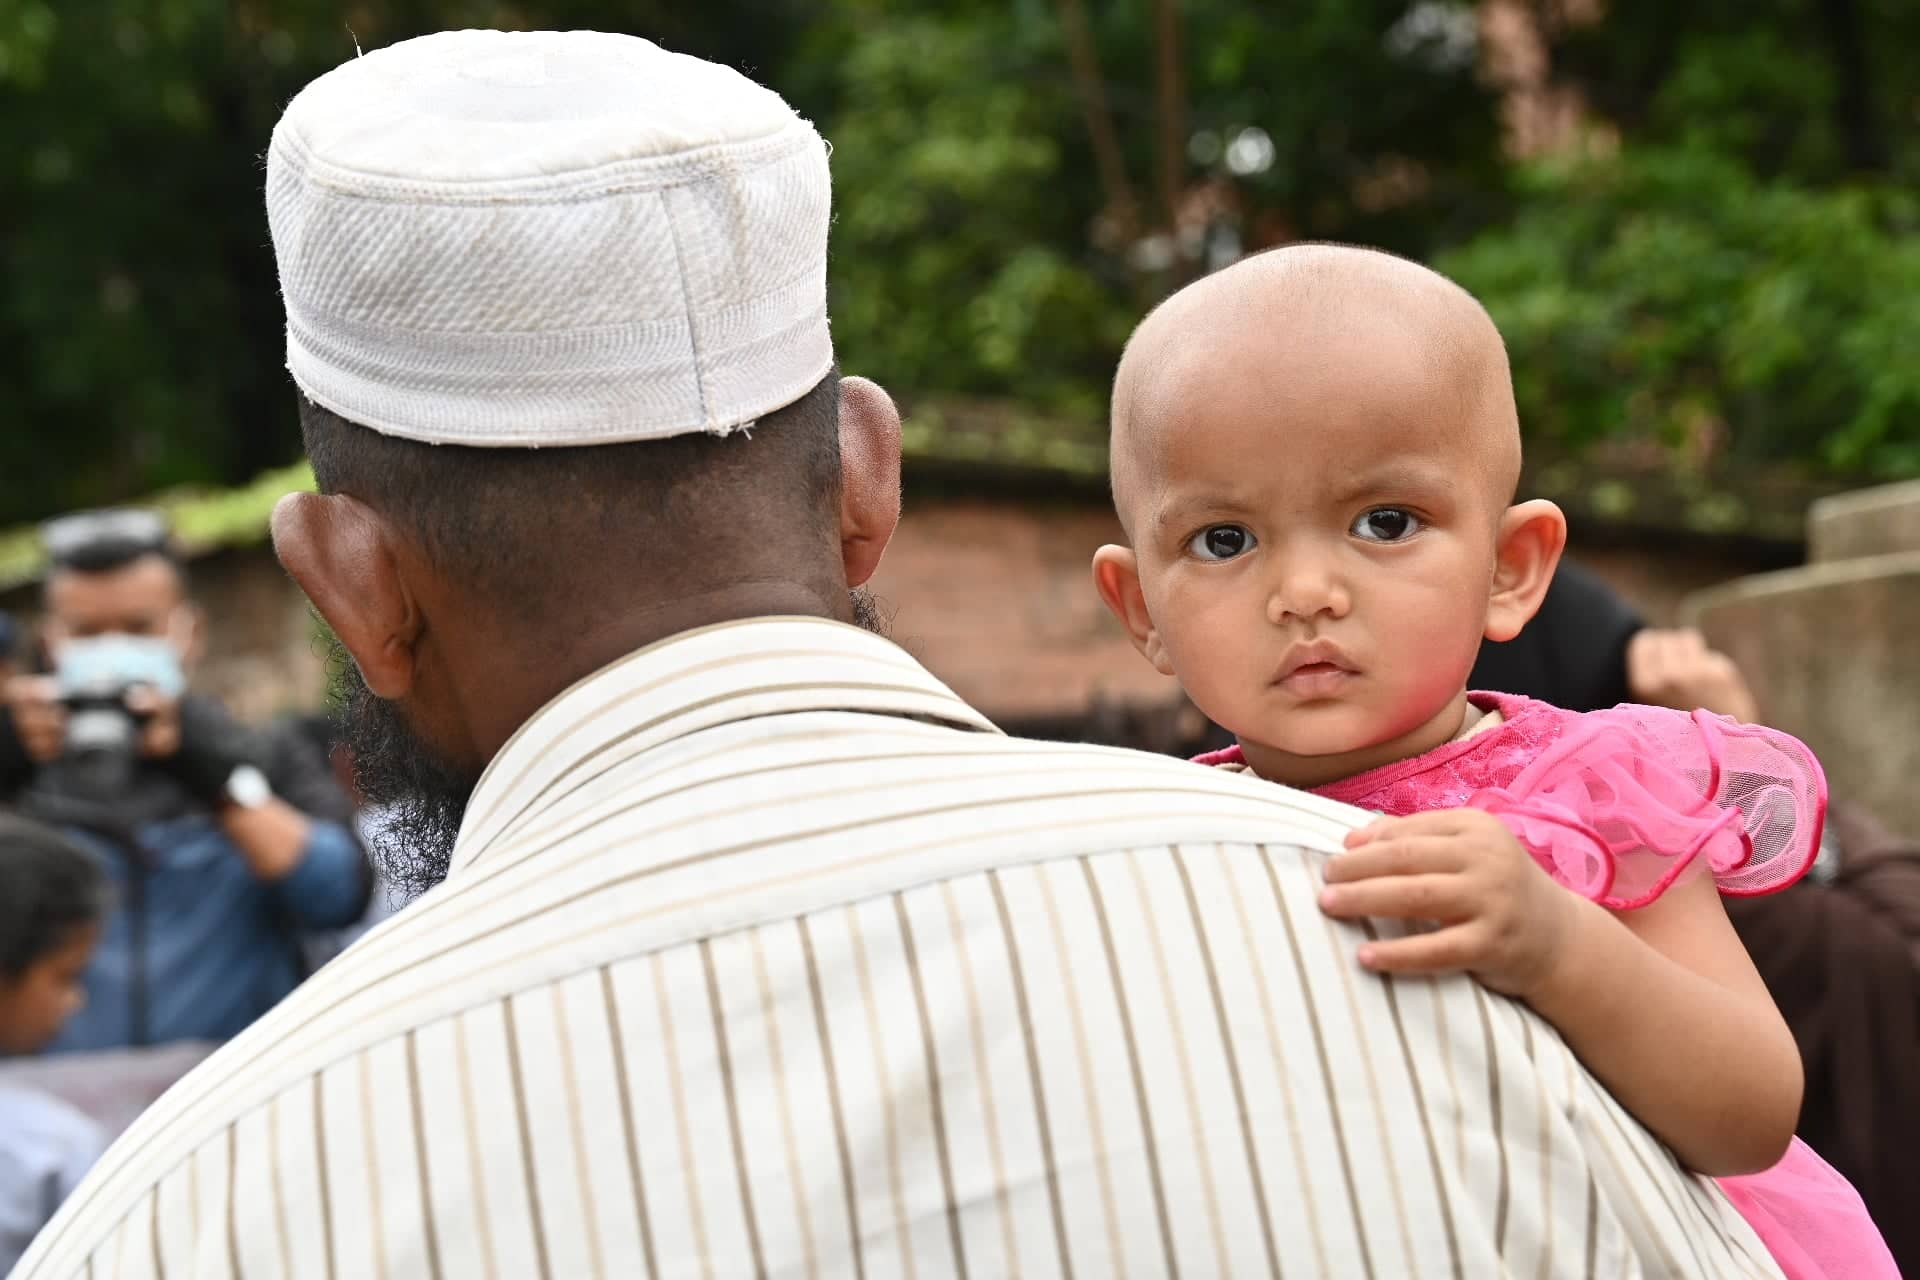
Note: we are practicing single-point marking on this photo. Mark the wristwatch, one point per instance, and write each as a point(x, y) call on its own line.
point(248, 788)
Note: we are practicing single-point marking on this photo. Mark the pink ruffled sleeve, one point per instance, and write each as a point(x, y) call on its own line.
point(1622, 802)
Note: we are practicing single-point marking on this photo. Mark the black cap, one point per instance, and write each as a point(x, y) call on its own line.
point(94, 540)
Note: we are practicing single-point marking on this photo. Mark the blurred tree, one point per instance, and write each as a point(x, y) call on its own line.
point(1668, 296)
point(1017, 179)
point(1817, 90)
point(1732, 280)
point(1003, 186)
point(139, 328)
point(140, 325)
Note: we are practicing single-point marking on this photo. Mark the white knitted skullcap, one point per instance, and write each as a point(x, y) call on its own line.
point(544, 238)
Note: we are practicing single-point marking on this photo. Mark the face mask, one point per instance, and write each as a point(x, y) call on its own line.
point(109, 665)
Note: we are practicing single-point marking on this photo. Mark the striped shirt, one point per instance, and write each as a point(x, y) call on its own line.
point(763, 954)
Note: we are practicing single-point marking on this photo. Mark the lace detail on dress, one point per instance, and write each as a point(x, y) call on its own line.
point(1616, 804)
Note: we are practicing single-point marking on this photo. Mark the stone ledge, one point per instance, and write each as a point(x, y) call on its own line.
point(1833, 653)
point(1867, 522)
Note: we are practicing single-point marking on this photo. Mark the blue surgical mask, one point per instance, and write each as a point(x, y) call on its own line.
point(119, 662)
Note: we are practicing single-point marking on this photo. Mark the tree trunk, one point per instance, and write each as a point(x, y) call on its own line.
point(1084, 59)
point(1853, 106)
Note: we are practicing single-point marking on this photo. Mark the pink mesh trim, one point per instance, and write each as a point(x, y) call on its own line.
point(1617, 804)
point(1811, 1219)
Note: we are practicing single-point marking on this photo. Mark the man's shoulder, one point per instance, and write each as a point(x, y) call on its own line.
point(930, 777)
point(768, 827)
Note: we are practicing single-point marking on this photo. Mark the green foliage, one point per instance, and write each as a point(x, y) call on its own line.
point(1814, 90)
point(1384, 130)
point(965, 258)
point(953, 252)
point(202, 520)
point(1739, 281)
point(140, 332)
point(1741, 268)
point(1668, 295)
point(140, 327)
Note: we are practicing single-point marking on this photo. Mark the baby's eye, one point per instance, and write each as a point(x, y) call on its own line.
point(1220, 542)
point(1386, 524)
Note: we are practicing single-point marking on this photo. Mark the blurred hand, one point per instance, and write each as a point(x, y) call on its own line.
point(159, 720)
point(1502, 918)
point(1677, 669)
point(39, 721)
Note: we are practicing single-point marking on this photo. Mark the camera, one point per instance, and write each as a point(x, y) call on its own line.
point(95, 675)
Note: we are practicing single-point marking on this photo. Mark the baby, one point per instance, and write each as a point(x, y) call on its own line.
point(1314, 457)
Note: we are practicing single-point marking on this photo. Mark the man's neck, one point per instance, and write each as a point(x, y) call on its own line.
point(511, 688)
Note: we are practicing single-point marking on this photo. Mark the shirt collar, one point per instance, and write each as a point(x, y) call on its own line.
point(694, 681)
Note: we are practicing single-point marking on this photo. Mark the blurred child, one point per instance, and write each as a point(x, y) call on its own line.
point(1315, 454)
point(52, 897)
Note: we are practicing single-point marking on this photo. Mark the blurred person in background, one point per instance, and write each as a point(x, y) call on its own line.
point(1839, 952)
point(53, 896)
point(9, 642)
point(225, 845)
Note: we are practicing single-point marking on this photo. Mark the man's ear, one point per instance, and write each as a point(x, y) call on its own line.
point(1532, 536)
point(1116, 576)
point(869, 476)
point(343, 555)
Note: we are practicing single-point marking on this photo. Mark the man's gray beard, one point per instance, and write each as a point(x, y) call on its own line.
point(421, 798)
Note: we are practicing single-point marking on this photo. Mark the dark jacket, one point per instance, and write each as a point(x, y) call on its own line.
point(196, 946)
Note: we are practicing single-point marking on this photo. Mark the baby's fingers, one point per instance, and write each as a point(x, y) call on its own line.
point(1422, 897)
point(1433, 822)
point(1398, 856)
point(1452, 950)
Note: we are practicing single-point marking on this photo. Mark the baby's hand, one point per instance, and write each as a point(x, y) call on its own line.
point(1502, 918)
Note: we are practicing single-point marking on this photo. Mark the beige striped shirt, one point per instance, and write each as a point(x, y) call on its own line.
point(764, 955)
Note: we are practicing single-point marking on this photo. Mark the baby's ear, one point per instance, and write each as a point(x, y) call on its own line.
point(1532, 535)
point(1116, 575)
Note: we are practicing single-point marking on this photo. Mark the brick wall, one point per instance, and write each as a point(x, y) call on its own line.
point(995, 597)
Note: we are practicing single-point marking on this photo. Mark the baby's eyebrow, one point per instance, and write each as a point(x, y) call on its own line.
point(1399, 476)
point(1193, 506)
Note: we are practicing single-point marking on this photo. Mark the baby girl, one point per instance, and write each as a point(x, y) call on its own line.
point(1314, 459)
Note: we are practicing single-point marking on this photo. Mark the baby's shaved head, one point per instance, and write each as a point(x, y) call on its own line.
point(1310, 324)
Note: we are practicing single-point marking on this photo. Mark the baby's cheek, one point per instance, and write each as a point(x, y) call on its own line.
point(1181, 614)
point(1215, 665)
point(1433, 661)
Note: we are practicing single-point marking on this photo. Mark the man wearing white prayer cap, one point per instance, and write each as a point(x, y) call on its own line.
point(758, 951)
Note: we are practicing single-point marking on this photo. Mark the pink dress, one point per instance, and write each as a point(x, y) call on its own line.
point(1616, 805)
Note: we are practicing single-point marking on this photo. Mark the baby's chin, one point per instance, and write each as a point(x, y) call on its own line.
point(1318, 733)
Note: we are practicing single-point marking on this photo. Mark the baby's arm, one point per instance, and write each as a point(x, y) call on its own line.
point(1665, 1007)
point(1662, 1004)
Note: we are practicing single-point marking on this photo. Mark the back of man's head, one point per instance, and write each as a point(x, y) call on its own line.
point(556, 302)
point(556, 308)
point(527, 530)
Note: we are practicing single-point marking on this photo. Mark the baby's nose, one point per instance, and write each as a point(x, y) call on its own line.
point(1306, 591)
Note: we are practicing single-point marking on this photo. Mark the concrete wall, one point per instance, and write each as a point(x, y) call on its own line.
point(1866, 522)
point(1833, 648)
